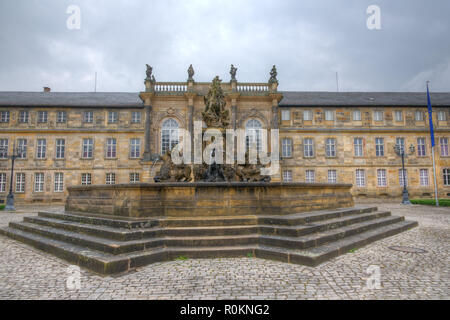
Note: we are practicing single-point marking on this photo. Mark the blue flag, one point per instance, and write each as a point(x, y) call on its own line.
point(430, 116)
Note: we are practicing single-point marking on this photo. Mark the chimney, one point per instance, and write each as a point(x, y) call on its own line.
point(47, 89)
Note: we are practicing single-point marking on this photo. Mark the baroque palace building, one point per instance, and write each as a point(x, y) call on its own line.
point(109, 138)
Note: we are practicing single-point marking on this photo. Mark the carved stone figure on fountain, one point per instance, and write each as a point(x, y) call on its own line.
point(249, 172)
point(171, 172)
point(215, 115)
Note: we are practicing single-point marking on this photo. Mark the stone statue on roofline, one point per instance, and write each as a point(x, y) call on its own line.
point(233, 71)
point(191, 73)
point(273, 75)
point(150, 77)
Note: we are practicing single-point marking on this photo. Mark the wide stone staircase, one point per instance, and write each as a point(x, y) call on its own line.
point(109, 245)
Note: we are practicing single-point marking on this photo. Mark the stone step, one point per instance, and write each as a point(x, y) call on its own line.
point(317, 239)
point(317, 255)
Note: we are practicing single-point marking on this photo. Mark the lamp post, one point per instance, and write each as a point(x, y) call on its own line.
point(400, 150)
point(16, 153)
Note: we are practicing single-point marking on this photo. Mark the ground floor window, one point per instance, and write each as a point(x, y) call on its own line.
point(134, 177)
point(20, 182)
point(287, 175)
point(59, 182)
point(86, 179)
point(400, 177)
point(2, 182)
point(446, 177)
point(381, 176)
point(110, 178)
point(332, 176)
point(360, 178)
point(310, 176)
point(424, 181)
point(39, 182)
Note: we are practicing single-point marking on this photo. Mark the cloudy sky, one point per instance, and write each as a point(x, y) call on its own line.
point(308, 40)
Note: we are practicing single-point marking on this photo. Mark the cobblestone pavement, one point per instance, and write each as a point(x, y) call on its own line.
point(26, 273)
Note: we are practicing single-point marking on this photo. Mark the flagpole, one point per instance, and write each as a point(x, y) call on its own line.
point(430, 114)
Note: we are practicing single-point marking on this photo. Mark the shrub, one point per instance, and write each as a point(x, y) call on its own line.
point(432, 202)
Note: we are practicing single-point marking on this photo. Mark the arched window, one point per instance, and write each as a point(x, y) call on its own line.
point(169, 135)
point(253, 133)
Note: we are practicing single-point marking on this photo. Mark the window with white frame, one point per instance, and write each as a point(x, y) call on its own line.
point(2, 182)
point(113, 116)
point(86, 179)
point(418, 115)
point(310, 176)
point(378, 115)
point(59, 182)
point(285, 115)
point(24, 115)
point(286, 146)
point(111, 178)
point(39, 182)
point(446, 176)
point(308, 148)
point(424, 181)
point(360, 178)
point(111, 147)
point(441, 115)
point(60, 148)
point(169, 135)
point(403, 174)
point(421, 147)
point(307, 115)
point(4, 116)
point(398, 114)
point(379, 147)
point(20, 182)
point(381, 177)
point(88, 148)
point(358, 145)
point(88, 116)
point(135, 148)
point(4, 148)
point(253, 134)
point(61, 116)
point(332, 176)
point(330, 147)
point(22, 147)
point(134, 177)
point(443, 142)
point(401, 143)
point(287, 175)
point(42, 116)
point(41, 148)
point(329, 115)
point(136, 117)
point(356, 115)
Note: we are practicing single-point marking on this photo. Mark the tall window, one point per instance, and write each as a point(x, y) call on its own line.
point(169, 135)
point(3, 148)
point(401, 143)
point(329, 115)
point(136, 117)
point(421, 147)
point(20, 182)
point(332, 176)
point(253, 134)
point(39, 182)
point(110, 178)
point(134, 177)
point(418, 115)
point(285, 115)
point(378, 115)
point(446, 176)
point(400, 177)
point(356, 115)
point(86, 179)
point(41, 148)
point(307, 115)
point(113, 116)
point(330, 147)
point(379, 147)
point(88, 148)
point(381, 176)
point(4, 116)
point(111, 148)
point(59, 182)
point(135, 148)
point(424, 181)
point(2, 182)
point(22, 146)
point(441, 115)
point(24, 115)
point(60, 148)
point(88, 116)
point(61, 117)
point(310, 176)
point(308, 148)
point(42, 116)
point(444, 146)
point(287, 175)
point(360, 178)
point(358, 144)
point(286, 147)
point(398, 115)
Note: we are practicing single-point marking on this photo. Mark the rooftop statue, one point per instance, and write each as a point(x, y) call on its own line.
point(273, 75)
point(148, 72)
point(215, 114)
point(233, 71)
point(190, 73)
